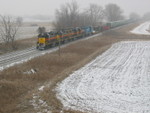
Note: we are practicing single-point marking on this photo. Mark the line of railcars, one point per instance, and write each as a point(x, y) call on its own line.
point(54, 38)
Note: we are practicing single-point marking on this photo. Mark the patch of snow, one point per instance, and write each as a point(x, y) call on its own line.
point(39, 53)
point(40, 106)
point(41, 88)
point(118, 81)
point(142, 29)
point(32, 71)
point(14, 63)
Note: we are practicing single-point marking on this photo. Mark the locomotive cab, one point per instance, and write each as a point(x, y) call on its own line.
point(42, 38)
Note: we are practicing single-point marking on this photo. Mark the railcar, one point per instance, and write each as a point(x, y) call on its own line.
point(119, 23)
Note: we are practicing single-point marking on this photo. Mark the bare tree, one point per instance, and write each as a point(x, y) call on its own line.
point(41, 30)
point(9, 28)
point(67, 15)
point(113, 12)
point(95, 14)
point(83, 19)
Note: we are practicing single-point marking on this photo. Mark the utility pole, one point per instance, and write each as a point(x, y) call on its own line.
point(59, 46)
point(59, 38)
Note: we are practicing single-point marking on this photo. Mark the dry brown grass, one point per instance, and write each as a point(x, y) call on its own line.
point(17, 87)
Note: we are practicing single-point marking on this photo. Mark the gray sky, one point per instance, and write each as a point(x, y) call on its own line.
point(48, 7)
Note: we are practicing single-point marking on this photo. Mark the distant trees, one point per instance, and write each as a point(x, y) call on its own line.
point(134, 16)
point(146, 16)
point(94, 14)
point(9, 27)
point(69, 15)
point(113, 12)
point(41, 30)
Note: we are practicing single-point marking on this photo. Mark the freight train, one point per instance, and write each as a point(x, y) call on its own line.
point(54, 38)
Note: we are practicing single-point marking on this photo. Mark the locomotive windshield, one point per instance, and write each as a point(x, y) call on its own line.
point(45, 35)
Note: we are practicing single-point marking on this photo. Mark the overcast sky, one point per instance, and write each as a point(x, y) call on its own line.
point(48, 7)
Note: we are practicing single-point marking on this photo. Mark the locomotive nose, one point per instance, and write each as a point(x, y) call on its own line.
point(41, 40)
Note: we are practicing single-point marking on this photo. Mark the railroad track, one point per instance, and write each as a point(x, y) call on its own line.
point(13, 58)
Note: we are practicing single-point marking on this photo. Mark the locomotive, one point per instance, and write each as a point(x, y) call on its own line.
point(54, 38)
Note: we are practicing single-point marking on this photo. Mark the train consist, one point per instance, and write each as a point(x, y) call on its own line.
point(54, 38)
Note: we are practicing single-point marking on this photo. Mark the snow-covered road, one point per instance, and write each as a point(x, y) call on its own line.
point(118, 81)
point(142, 29)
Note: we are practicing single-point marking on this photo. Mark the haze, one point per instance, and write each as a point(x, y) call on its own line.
point(48, 7)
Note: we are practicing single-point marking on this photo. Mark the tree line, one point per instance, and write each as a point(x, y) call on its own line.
point(69, 15)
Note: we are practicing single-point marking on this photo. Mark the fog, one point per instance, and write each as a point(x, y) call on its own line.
point(48, 7)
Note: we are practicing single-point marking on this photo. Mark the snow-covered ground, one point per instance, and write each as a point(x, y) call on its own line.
point(26, 32)
point(118, 81)
point(29, 32)
point(143, 29)
point(40, 106)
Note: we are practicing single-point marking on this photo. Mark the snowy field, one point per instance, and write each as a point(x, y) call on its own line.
point(29, 32)
point(26, 32)
point(142, 29)
point(118, 81)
